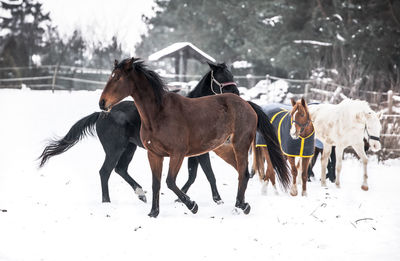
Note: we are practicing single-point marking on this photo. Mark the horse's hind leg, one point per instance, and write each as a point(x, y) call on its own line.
point(324, 163)
point(205, 164)
point(269, 174)
point(293, 169)
point(238, 159)
point(122, 170)
point(175, 164)
point(339, 159)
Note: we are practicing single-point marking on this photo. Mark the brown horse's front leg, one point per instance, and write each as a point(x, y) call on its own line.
point(293, 190)
point(304, 174)
point(175, 164)
point(156, 163)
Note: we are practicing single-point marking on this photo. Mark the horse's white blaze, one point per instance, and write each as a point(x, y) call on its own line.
point(293, 131)
point(343, 125)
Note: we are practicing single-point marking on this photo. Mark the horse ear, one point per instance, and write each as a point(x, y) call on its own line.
point(212, 65)
point(129, 64)
point(303, 102)
point(115, 63)
point(293, 101)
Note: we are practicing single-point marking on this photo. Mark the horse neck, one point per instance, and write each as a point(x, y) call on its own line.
point(203, 88)
point(145, 100)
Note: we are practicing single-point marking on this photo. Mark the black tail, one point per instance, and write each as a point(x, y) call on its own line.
point(266, 129)
point(79, 130)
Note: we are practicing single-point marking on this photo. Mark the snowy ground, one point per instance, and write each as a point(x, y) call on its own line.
point(56, 213)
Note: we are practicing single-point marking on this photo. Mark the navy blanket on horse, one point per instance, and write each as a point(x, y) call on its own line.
point(280, 118)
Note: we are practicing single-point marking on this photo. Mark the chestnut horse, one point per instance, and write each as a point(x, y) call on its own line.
point(296, 136)
point(175, 126)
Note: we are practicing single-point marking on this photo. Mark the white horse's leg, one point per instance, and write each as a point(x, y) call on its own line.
point(359, 148)
point(324, 163)
point(339, 159)
point(264, 187)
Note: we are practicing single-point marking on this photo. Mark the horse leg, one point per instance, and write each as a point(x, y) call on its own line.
point(156, 164)
point(108, 165)
point(193, 164)
point(244, 175)
point(269, 174)
point(339, 159)
point(205, 164)
point(304, 174)
point(122, 170)
point(239, 162)
point(359, 148)
point(293, 169)
point(324, 162)
point(175, 163)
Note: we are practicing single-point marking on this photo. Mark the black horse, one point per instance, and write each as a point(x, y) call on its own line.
point(119, 134)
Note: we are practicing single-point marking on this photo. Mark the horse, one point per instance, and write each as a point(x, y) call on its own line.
point(343, 125)
point(119, 134)
point(176, 126)
point(296, 136)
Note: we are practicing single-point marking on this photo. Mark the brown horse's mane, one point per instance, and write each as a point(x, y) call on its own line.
point(157, 83)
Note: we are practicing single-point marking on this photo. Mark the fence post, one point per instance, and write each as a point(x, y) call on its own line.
point(390, 102)
point(53, 83)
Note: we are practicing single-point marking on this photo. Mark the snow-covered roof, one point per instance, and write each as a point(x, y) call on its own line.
point(171, 51)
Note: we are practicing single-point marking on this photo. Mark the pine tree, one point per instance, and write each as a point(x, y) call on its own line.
point(25, 26)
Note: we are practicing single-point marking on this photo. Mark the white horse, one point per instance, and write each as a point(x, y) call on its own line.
point(342, 125)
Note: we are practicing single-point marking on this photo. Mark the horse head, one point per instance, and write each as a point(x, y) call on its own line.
point(222, 79)
point(301, 120)
point(119, 84)
point(372, 128)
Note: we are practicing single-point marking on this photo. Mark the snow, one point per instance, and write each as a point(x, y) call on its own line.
point(55, 213)
point(242, 64)
point(175, 47)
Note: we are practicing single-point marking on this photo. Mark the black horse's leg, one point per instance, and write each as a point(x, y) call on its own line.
point(122, 170)
point(193, 164)
point(205, 164)
point(105, 172)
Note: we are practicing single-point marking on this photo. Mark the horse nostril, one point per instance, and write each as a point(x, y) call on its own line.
point(102, 104)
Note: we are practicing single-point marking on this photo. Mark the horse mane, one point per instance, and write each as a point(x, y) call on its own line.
point(157, 83)
point(206, 79)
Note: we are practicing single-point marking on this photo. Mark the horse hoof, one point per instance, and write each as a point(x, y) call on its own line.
point(304, 193)
point(337, 185)
point(154, 213)
point(364, 187)
point(195, 208)
point(143, 198)
point(323, 184)
point(218, 200)
point(246, 208)
point(293, 193)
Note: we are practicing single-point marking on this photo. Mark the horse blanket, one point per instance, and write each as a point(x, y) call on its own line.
point(280, 118)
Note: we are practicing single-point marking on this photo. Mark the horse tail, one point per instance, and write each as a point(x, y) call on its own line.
point(278, 160)
point(258, 161)
point(79, 130)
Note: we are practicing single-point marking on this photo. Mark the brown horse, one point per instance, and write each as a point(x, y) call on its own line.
point(175, 126)
point(296, 136)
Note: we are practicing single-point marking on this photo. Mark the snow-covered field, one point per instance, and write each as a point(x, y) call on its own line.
point(55, 213)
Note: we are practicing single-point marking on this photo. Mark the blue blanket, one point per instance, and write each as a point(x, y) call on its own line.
point(280, 118)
